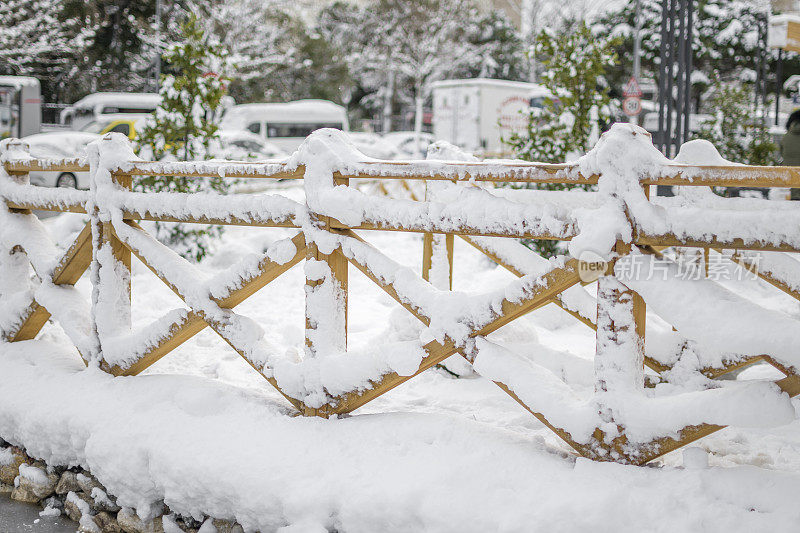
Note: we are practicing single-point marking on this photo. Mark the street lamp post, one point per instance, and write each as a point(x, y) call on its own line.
point(637, 49)
point(158, 46)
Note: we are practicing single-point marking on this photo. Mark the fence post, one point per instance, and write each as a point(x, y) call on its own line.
point(22, 178)
point(121, 252)
point(619, 357)
point(15, 267)
point(110, 272)
point(437, 252)
point(326, 292)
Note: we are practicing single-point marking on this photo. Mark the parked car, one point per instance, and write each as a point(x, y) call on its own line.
point(128, 124)
point(235, 145)
point(373, 145)
point(60, 145)
point(285, 124)
point(245, 146)
point(99, 106)
point(406, 143)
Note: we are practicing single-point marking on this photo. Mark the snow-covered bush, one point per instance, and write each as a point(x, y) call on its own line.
point(184, 127)
point(575, 64)
point(736, 128)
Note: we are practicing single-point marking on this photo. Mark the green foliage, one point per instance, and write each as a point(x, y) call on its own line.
point(314, 69)
point(183, 128)
point(736, 129)
point(275, 55)
point(502, 53)
point(725, 37)
point(574, 66)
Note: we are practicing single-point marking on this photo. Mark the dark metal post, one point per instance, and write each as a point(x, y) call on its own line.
point(758, 62)
point(19, 112)
point(675, 74)
point(778, 84)
point(158, 46)
point(687, 108)
point(764, 59)
point(679, 135)
point(662, 76)
point(670, 73)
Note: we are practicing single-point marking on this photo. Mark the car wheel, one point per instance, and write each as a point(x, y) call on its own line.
point(67, 180)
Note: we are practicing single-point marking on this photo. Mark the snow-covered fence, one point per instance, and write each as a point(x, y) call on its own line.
point(616, 226)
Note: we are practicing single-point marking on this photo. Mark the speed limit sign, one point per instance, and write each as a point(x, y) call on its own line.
point(632, 106)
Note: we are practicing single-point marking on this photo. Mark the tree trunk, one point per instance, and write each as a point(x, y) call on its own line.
point(387, 104)
point(419, 101)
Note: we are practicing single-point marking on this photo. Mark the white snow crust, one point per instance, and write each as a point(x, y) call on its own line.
point(204, 446)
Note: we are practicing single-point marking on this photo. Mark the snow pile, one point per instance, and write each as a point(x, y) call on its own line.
point(781, 267)
point(700, 152)
point(622, 159)
point(233, 454)
point(65, 303)
point(717, 319)
point(526, 262)
point(623, 156)
point(14, 150)
point(538, 388)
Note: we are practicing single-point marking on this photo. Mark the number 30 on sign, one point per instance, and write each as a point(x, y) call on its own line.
point(632, 106)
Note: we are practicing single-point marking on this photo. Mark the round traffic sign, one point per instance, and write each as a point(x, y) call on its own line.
point(632, 106)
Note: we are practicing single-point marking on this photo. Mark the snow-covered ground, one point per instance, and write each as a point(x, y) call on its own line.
point(207, 434)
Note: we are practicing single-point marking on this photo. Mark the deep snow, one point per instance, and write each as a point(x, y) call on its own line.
point(205, 432)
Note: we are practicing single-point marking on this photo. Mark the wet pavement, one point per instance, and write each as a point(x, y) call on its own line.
point(16, 517)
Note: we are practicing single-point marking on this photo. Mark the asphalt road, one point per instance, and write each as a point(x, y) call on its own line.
point(16, 517)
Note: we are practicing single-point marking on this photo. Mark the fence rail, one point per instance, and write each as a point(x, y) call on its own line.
point(618, 221)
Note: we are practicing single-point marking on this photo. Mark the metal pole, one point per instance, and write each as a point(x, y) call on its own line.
point(681, 41)
point(670, 72)
point(758, 62)
point(637, 48)
point(158, 45)
point(763, 84)
point(687, 107)
point(778, 84)
point(19, 112)
point(662, 75)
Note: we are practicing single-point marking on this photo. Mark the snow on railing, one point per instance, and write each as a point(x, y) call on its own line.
point(612, 225)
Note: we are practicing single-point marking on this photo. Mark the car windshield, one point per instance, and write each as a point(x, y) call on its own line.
point(95, 126)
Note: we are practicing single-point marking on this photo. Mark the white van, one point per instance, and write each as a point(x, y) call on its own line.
point(478, 114)
point(20, 106)
point(98, 105)
point(285, 124)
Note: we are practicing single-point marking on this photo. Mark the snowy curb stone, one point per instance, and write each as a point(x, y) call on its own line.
point(131, 523)
point(33, 484)
point(77, 505)
point(226, 526)
point(107, 523)
point(10, 459)
point(88, 483)
point(67, 483)
point(102, 502)
point(78, 495)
